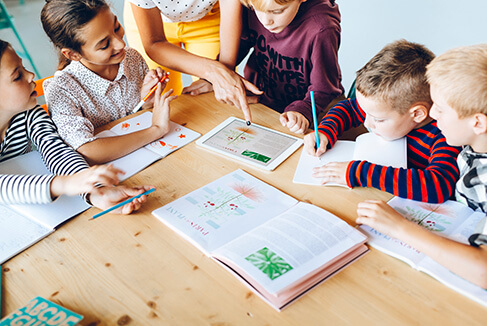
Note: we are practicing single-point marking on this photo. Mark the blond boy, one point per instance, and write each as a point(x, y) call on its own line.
point(459, 92)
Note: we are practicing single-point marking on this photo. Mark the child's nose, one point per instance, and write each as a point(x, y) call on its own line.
point(119, 43)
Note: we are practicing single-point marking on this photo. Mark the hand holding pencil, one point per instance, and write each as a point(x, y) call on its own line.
point(151, 81)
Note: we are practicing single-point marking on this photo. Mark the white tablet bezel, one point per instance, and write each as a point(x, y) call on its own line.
point(271, 166)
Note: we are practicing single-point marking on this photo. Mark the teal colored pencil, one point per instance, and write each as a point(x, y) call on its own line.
point(315, 119)
point(123, 203)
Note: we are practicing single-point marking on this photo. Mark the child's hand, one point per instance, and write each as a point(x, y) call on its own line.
point(310, 144)
point(198, 87)
point(150, 80)
point(335, 172)
point(380, 216)
point(106, 197)
point(295, 121)
point(160, 112)
point(85, 180)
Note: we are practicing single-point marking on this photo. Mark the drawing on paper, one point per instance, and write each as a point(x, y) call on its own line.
point(430, 216)
point(125, 126)
point(269, 263)
point(219, 205)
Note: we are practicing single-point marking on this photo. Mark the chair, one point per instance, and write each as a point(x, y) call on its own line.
point(352, 90)
point(40, 91)
point(7, 22)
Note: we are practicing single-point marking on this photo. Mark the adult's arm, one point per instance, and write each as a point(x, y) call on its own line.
point(230, 31)
point(229, 87)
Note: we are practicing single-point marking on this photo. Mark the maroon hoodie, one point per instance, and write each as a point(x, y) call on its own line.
point(301, 58)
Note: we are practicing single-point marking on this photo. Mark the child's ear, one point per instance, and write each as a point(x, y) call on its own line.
point(419, 112)
point(71, 55)
point(480, 123)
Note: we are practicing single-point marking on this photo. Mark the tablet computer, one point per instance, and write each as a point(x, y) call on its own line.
point(255, 145)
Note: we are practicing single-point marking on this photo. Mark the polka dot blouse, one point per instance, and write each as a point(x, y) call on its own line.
point(176, 11)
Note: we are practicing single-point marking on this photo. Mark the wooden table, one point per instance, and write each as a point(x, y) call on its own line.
point(133, 270)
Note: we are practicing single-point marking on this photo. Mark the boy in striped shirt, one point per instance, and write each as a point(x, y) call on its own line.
point(459, 93)
point(393, 101)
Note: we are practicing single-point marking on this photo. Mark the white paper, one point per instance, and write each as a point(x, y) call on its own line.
point(224, 209)
point(177, 137)
point(50, 215)
point(368, 147)
point(17, 233)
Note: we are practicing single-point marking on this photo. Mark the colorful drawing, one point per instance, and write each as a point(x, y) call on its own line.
point(182, 136)
point(125, 126)
point(427, 216)
point(269, 263)
point(220, 205)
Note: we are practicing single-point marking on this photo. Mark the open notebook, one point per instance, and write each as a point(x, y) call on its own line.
point(23, 225)
point(275, 245)
point(452, 220)
point(177, 137)
point(368, 147)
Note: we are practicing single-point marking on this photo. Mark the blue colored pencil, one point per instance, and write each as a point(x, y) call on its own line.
point(315, 119)
point(123, 203)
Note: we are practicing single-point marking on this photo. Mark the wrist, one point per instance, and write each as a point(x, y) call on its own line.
point(213, 67)
point(57, 186)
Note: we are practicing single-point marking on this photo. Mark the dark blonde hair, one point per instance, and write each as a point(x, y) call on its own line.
point(397, 75)
point(63, 19)
point(263, 5)
point(461, 77)
point(3, 46)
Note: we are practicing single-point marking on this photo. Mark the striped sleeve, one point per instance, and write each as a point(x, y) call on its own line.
point(36, 125)
point(59, 158)
point(433, 182)
point(343, 116)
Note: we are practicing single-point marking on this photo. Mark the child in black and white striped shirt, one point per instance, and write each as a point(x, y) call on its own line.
point(23, 123)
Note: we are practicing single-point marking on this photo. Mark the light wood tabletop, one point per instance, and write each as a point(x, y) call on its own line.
point(133, 270)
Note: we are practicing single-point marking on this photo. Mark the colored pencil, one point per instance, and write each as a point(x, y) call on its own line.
point(123, 203)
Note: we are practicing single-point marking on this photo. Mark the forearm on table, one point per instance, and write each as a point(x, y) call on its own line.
point(464, 260)
point(103, 150)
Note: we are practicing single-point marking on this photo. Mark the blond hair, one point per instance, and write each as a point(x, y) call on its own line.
point(397, 75)
point(461, 76)
point(263, 5)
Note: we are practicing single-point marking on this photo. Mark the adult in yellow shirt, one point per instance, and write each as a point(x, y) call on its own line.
point(159, 29)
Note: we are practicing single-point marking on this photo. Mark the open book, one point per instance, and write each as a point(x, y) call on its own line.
point(368, 147)
point(452, 220)
point(177, 137)
point(23, 225)
point(277, 246)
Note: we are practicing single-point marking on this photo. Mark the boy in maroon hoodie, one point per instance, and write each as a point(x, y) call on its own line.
point(295, 46)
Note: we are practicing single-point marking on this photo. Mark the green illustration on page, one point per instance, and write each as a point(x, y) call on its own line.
point(430, 218)
point(256, 156)
point(269, 263)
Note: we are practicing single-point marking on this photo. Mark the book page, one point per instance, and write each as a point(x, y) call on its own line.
point(224, 209)
point(450, 219)
point(133, 162)
point(253, 144)
point(375, 149)
point(50, 215)
point(290, 246)
point(443, 219)
point(341, 152)
point(177, 137)
point(17, 233)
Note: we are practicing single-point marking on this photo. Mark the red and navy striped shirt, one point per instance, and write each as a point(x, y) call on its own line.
point(432, 164)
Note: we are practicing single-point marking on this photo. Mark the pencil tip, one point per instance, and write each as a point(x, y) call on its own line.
point(248, 123)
